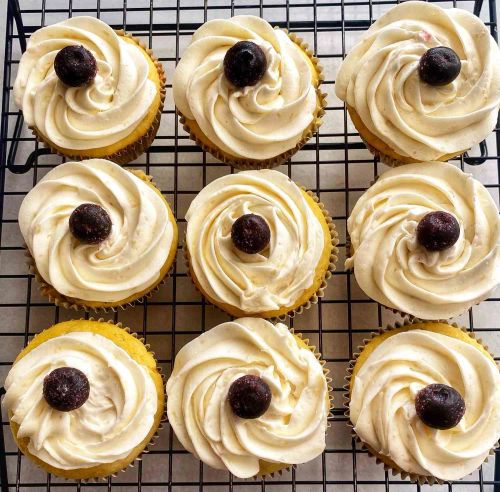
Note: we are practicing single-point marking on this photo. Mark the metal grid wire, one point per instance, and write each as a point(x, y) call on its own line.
point(177, 313)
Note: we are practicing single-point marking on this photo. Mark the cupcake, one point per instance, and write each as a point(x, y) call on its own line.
point(84, 399)
point(249, 397)
point(425, 241)
point(422, 84)
point(89, 91)
point(258, 245)
point(248, 93)
point(98, 236)
point(425, 400)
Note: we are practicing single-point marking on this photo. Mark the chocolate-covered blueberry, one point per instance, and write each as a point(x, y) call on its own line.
point(66, 389)
point(439, 406)
point(438, 231)
point(250, 233)
point(75, 66)
point(90, 223)
point(249, 397)
point(439, 66)
point(245, 64)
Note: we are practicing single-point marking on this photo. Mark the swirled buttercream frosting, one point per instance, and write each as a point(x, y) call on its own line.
point(255, 122)
point(264, 281)
point(293, 428)
point(379, 79)
point(394, 269)
point(129, 261)
point(382, 405)
point(116, 418)
point(93, 116)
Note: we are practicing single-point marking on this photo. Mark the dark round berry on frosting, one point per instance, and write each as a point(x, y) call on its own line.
point(90, 223)
point(250, 233)
point(66, 389)
point(245, 64)
point(439, 66)
point(249, 397)
point(75, 66)
point(438, 231)
point(439, 406)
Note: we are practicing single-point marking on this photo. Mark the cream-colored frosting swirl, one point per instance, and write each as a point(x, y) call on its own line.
point(127, 262)
point(256, 122)
point(116, 418)
point(379, 79)
point(382, 406)
point(394, 269)
point(291, 431)
point(97, 115)
point(263, 281)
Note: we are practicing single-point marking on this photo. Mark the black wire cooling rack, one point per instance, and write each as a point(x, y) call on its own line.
point(335, 164)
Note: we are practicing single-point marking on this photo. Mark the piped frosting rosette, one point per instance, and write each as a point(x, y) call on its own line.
point(386, 406)
point(103, 431)
point(256, 125)
point(283, 276)
point(395, 269)
point(99, 115)
point(122, 268)
point(291, 431)
point(379, 80)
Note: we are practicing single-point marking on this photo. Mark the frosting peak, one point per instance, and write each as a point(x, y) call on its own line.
point(293, 428)
point(255, 122)
point(379, 79)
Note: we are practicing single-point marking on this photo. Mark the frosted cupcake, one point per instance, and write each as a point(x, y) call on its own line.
point(425, 241)
point(256, 411)
point(99, 236)
point(422, 84)
point(84, 399)
point(425, 400)
point(248, 93)
point(89, 91)
point(258, 245)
